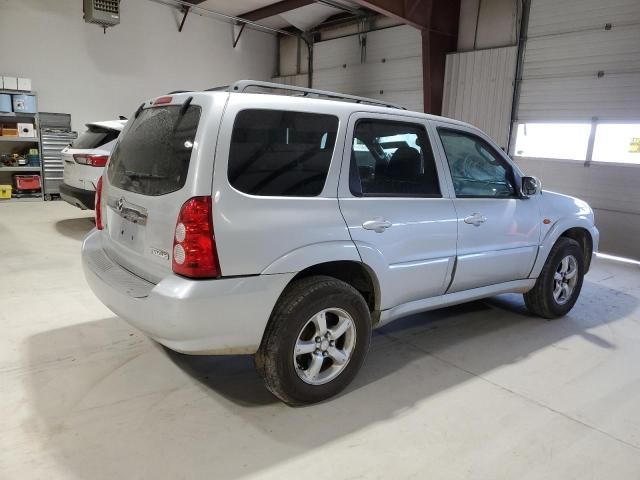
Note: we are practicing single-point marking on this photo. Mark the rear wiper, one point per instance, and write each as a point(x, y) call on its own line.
point(150, 176)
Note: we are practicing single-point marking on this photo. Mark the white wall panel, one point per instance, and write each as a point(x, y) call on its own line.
point(78, 69)
point(574, 68)
point(549, 17)
point(578, 99)
point(479, 89)
point(392, 70)
point(584, 53)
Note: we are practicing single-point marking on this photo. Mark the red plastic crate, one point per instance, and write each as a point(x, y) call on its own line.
point(27, 182)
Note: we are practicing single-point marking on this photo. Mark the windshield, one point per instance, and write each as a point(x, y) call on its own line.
point(153, 156)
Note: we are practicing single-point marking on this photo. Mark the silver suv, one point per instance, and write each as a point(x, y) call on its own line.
point(289, 227)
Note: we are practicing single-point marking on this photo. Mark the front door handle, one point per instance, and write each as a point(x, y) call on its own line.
point(378, 225)
point(476, 219)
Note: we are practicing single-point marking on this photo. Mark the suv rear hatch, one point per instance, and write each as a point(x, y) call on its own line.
point(160, 161)
point(97, 141)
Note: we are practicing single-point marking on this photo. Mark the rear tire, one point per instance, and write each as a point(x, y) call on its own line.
point(301, 361)
point(558, 286)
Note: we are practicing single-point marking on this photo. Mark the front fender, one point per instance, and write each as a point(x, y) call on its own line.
point(314, 254)
point(556, 231)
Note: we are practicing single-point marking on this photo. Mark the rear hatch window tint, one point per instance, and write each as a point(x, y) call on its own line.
point(95, 137)
point(281, 153)
point(153, 156)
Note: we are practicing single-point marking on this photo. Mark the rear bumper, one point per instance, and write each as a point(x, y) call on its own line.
point(208, 317)
point(78, 197)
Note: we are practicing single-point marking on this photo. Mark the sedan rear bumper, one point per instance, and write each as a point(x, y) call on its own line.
point(208, 317)
point(78, 197)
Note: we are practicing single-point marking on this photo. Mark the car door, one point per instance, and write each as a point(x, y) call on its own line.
point(498, 228)
point(396, 206)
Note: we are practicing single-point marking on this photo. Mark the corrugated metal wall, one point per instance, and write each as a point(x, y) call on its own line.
point(390, 68)
point(582, 60)
point(479, 89)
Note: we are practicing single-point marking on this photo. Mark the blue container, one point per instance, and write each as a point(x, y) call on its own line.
point(5, 103)
point(34, 160)
point(24, 103)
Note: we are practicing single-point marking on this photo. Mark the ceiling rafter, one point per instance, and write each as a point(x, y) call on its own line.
point(275, 9)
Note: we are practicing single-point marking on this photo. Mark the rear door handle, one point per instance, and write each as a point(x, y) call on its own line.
point(476, 219)
point(378, 225)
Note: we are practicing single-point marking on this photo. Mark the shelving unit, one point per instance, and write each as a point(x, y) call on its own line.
point(19, 139)
point(15, 144)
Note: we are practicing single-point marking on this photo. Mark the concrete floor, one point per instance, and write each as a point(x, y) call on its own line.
point(481, 391)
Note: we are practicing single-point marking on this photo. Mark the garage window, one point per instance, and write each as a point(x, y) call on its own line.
point(567, 141)
point(617, 143)
point(281, 153)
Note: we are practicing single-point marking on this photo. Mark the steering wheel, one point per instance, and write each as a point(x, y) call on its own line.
point(471, 164)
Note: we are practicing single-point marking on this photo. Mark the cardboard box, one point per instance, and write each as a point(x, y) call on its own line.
point(10, 83)
point(24, 84)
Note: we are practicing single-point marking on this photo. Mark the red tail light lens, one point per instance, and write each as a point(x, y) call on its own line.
point(92, 160)
point(98, 205)
point(194, 245)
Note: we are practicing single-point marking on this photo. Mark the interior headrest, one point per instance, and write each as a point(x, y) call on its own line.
point(404, 164)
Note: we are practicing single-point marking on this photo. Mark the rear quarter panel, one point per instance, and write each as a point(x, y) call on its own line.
point(270, 234)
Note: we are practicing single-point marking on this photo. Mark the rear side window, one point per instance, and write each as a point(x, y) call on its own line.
point(392, 159)
point(281, 153)
point(153, 156)
point(95, 137)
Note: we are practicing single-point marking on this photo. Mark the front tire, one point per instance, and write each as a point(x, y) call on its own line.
point(315, 342)
point(558, 286)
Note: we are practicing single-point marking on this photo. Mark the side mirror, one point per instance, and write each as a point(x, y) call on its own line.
point(530, 186)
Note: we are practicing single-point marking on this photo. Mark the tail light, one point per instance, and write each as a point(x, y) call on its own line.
point(194, 246)
point(98, 205)
point(92, 160)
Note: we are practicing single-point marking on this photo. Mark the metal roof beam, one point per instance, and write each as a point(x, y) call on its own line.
point(275, 9)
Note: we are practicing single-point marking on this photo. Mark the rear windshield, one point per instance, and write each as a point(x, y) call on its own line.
point(95, 137)
point(153, 156)
point(281, 153)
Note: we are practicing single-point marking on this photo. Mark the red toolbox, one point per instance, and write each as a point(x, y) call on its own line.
point(27, 182)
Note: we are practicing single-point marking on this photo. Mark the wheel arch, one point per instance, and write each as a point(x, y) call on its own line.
point(581, 231)
point(354, 273)
point(584, 238)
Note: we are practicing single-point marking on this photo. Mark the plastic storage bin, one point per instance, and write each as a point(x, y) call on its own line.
point(26, 182)
point(5, 103)
point(24, 103)
point(5, 192)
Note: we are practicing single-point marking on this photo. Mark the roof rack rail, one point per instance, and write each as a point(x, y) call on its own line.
point(243, 85)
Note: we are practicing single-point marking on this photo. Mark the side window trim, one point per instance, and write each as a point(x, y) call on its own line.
point(496, 152)
point(417, 123)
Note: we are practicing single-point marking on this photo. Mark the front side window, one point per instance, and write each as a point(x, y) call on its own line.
point(281, 153)
point(476, 169)
point(392, 159)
